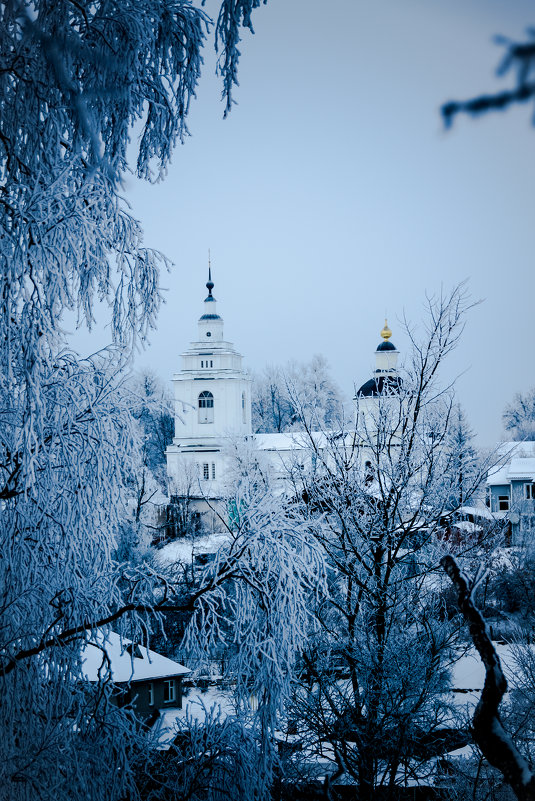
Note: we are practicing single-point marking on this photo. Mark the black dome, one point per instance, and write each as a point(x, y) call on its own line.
point(384, 385)
point(210, 317)
point(386, 346)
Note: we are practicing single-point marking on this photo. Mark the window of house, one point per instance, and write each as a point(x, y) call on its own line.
point(213, 470)
point(169, 690)
point(151, 694)
point(527, 522)
point(503, 503)
point(530, 492)
point(206, 407)
point(206, 471)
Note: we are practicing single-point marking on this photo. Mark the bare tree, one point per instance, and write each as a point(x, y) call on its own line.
point(377, 655)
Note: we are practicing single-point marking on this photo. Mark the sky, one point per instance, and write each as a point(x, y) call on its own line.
point(332, 195)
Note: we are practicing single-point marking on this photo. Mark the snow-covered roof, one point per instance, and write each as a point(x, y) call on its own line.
point(478, 510)
point(523, 448)
point(466, 525)
point(183, 549)
point(141, 664)
point(300, 440)
point(288, 441)
point(520, 468)
point(197, 705)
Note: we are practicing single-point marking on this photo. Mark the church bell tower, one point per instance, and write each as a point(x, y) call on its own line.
point(212, 402)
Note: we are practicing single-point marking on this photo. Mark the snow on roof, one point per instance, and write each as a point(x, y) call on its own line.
point(517, 469)
point(183, 550)
point(479, 510)
point(522, 467)
point(123, 666)
point(522, 448)
point(158, 498)
point(519, 465)
point(466, 525)
point(196, 706)
point(291, 440)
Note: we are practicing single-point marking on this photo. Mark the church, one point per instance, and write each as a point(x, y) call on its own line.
point(212, 396)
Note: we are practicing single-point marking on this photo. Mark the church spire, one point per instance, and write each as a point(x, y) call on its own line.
point(209, 283)
point(210, 323)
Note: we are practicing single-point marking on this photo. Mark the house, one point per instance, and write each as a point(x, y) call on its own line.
point(511, 488)
point(144, 678)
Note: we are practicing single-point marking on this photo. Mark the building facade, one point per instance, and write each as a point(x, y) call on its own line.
point(511, 488)
point(212, 395)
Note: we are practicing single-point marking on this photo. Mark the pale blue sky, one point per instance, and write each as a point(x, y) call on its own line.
point(332, 193)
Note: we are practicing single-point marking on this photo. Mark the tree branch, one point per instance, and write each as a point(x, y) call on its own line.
point(495, 743)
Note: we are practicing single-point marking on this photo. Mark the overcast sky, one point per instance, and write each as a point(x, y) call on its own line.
point(333, 194)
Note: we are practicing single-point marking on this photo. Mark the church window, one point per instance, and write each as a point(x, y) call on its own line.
point(202, 363)
point(211, 363)
point(206, 407)
point(243, 408)
point(206, 471)
point(213, 470)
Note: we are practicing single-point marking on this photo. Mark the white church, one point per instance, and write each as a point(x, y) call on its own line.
point(212, 395)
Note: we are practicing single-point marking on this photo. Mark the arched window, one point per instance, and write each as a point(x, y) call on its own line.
point(206, 407)
point(243, 408)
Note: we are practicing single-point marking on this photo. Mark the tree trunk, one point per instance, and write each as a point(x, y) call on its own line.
point(495, 743)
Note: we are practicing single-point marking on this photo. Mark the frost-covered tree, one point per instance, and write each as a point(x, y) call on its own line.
point(464, 460)
point(519, 416)
point(75, 77)
point(355, 663)
point(153, 409)
point(281, 396)
point(253, 604)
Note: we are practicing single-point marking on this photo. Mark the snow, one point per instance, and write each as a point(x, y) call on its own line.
point(196, 705)
point(123, 667)
point(481, 510)
point(291, 441)
point(183, 550)
point(520, 463)
point(522, 468)
point(466, 525)
point(468, 672)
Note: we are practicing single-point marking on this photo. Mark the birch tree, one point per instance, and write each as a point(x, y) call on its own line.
point(75, 77)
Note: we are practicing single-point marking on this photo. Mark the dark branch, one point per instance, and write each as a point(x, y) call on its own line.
point(489, 734)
